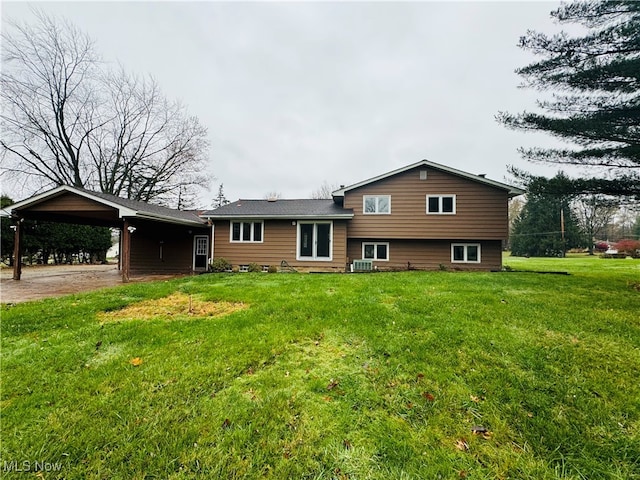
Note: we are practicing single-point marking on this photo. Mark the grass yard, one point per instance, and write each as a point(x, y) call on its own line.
point(424, 375)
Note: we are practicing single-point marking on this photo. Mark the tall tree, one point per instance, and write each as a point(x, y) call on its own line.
point(546, 226)
point(595, 82)
point(67, 120)
point(594, 213)
point(220, 199)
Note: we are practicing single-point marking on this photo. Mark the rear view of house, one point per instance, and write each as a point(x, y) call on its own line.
point(422, 216)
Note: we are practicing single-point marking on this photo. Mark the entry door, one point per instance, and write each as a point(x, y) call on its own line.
point(200, 253)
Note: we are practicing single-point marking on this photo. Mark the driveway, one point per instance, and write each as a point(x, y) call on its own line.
point(56, 280)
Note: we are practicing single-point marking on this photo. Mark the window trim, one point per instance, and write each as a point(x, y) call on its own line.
point(440, 197)
point(375, 251)
point(314, 257)
point(466, 254)
point(252, 234)
point(364, 203)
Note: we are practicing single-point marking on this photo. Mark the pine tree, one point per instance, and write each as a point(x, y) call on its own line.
point(595, 81)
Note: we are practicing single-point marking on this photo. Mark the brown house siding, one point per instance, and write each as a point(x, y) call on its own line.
point(177, 248)
point(279, 243)
point(481, 210)
point(430, 254)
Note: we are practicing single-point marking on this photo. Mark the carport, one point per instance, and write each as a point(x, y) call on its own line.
point(153, 239)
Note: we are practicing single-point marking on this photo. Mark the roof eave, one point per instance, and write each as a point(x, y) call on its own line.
point(165, 219)
point(346, 216)
point(122, 211)
point(426, 163)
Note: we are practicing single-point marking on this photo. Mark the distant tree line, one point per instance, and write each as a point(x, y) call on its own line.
point(550, 223)
point(60, 243)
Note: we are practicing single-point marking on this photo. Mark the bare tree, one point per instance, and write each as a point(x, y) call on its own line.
point(49, 107)
point(68, 121)
point(273, 195)
point(324, 191)
point(594, 213)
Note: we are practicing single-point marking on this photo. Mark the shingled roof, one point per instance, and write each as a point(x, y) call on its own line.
point(125, 208)
point(289, 209)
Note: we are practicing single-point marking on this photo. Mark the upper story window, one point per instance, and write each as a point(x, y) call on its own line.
point(246, 231)
point(441, 204)
point(376, 204)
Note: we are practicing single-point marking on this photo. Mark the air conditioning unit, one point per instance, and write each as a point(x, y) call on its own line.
point(362, 265)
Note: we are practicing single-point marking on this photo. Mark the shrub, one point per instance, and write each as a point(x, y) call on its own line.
point(254, 267)
point(220, 265)
point(630, 247)
point(272, 269)
point(601, 246)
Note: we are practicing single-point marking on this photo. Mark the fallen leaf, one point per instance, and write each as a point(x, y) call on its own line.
point(136, 362)
point(346, 444)
point(428, 396)
point(420, 376)
point(332, 384)
point(474, 398)
point(461, 444)
point(226, 424)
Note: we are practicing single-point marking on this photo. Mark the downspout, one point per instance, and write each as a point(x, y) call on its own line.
point(213, 238)
point(17, 249)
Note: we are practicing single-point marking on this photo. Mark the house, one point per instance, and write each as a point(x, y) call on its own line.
point(422, 216)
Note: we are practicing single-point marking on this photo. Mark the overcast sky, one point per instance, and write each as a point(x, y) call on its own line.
point(295, 94)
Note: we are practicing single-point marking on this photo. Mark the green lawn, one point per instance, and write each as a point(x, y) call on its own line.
point(331, 376)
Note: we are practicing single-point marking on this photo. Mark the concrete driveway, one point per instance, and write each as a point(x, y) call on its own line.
point(56, 280)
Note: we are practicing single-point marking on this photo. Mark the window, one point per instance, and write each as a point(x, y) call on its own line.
point(465, 253)
point(375, 251)
point(376, 204)
point(314, 241)
point(246, 231)
point(441, 204)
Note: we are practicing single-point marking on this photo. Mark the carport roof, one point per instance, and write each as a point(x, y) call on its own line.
point(113, 208)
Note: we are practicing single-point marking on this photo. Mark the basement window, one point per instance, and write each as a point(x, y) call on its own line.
point(465, 253)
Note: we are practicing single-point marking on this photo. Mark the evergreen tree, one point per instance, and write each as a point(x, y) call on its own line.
point(595, 81)
point(7, 234)
point(546, 227)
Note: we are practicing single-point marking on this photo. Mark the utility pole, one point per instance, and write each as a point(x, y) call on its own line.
point(564, 245)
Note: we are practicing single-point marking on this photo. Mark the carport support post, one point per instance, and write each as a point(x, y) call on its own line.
point(17, 250)
point(125, 252)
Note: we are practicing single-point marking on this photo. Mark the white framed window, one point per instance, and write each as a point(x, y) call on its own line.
point(376, 204)
point(375, 250)
point(441, 204)
point(246, 231)
point(465, 253)
point(314, 241)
